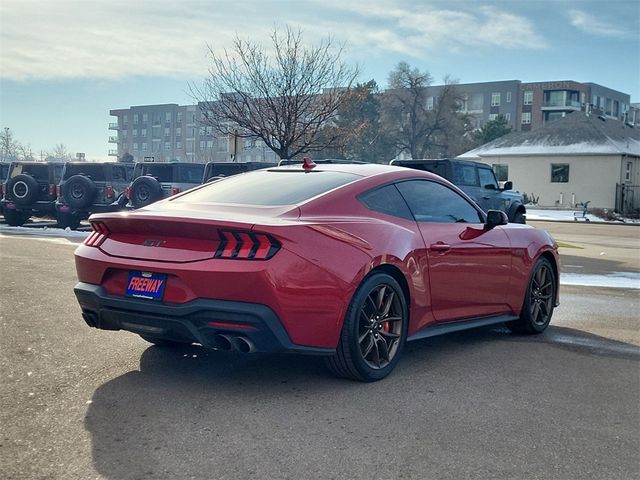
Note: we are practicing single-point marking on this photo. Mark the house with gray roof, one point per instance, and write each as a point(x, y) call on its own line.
point(578, 158)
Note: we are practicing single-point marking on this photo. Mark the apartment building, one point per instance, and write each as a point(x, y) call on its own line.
point(171, 132)
point(177, 132)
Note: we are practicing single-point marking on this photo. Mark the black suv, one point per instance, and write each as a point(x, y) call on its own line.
point(215, 170)
point(476, 180)
point(155, 181)
point(30, 189)
point(88, 188)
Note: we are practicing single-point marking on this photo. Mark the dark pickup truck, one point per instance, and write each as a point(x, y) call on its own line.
point(478, 181)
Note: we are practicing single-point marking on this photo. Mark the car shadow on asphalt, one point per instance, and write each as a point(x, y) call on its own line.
point(190, 403)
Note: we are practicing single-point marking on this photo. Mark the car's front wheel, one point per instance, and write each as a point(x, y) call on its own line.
point(374, 331)
point(539, 300)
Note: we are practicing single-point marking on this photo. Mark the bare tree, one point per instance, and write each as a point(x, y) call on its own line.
point(421, 124)
point(8, 146)
point(60, 154)
point(284, 97)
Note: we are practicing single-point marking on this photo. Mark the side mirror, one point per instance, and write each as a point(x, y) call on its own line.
point(489, 186)
point(496, 218)
point(508, 185)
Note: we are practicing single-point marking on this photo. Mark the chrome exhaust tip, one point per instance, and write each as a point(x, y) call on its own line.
point(224, 342)
point(244, 345)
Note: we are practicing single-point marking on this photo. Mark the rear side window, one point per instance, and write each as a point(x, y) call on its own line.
point(387, 200)
point(38, 171)
point(190, 173)
point(269, 187)
point(94, 171)
point(119, 174)
point(433, 202)
point(464, 175)
point(163, 172)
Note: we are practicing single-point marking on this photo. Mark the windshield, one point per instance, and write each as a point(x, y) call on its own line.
point(269, 187)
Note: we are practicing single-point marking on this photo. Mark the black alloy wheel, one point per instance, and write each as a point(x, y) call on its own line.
point(374, 331)
point(539, 300)
point(144, 191)
point(22, 189)
point(79, 191)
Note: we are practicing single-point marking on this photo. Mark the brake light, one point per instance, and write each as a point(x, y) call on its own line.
point(58, 191)
point(98, 236)
point(109, 191)
point(175, 190)
point(246, 246)
point(127, 192)
point(52, 189)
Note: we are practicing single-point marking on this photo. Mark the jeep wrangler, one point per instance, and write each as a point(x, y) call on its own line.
point(155, 181)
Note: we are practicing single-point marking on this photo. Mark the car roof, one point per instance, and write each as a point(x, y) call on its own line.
point(362, 169)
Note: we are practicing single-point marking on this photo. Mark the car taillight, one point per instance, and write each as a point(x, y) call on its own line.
point(52, 189)
point(127, 192)
point(98, 236)
point(58, 191)
point(109, 191)
point(175, 190)
point(246, 246)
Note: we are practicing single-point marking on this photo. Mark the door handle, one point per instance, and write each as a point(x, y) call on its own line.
point(440, 247)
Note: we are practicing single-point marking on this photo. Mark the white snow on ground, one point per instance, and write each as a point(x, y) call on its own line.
point(43, 231)
point(612, 280)
point(568, 216)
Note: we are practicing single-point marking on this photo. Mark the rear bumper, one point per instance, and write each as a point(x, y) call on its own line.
point(33, 208)
point(198, 321)
point(86, 212)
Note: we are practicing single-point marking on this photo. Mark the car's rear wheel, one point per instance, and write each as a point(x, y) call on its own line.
point(144, 191)
point(539, 300)
point(79, 191)
point(23, 189)
point(374, 331)
point(15, 218)
point(68, 220)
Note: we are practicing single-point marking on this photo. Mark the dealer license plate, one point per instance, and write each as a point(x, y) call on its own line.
point(146, 285)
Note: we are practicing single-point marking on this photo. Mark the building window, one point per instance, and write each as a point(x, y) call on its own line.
point(495, 99)
point(143, 132)
point(135, 118)
point(627, 173)
point(492, 116)
point(178, 131)
point(179, 117)
point(155, 131)
point(125, 120)
point(209, 143)
point(135, 132)
point(559, 173)
point(502, 171)
point(144, 145)
point(526, 118)
point(203, 144)
point(135, 146)
point(167, 145)
point(429, 103)
point(178, 145)
point(167, 117)
point(508, 97)
point(167, 132)
point(528, 97)
point(145, 118)
point(124, 134)
point(507, 117)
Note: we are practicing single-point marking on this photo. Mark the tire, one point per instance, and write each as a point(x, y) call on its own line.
point(68, 220)
point(14, 218)
point(161, 342)
point(371, 344)
point(144, 191)
point(539, 300)
point(23, 189)
point(519, 217)
point(79, 191)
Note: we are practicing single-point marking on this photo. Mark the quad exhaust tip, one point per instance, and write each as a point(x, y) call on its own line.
point(229, 343)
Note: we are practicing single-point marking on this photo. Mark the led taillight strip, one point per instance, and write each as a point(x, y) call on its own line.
point(246, 246)
point(98, 236)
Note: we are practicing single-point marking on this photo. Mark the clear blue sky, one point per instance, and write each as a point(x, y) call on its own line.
point(65, 63)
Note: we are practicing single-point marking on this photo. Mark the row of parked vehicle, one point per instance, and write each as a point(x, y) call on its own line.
point(72, 191)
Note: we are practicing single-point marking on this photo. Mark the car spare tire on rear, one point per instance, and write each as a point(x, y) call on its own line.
point(23, 189)
point(144, 191)
point(79, 191)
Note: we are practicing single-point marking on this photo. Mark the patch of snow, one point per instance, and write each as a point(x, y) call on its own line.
point(612, 280)
point(568, 216)
point(42, 232)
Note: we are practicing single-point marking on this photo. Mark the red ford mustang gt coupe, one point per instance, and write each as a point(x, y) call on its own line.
point(345, 261)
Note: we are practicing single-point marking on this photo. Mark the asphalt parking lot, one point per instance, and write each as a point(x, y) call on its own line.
point(76, 403)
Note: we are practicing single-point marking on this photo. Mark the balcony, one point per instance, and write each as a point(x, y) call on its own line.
point(566, 105)
point(113, 126)
point(113, 153)
point(113, 139)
